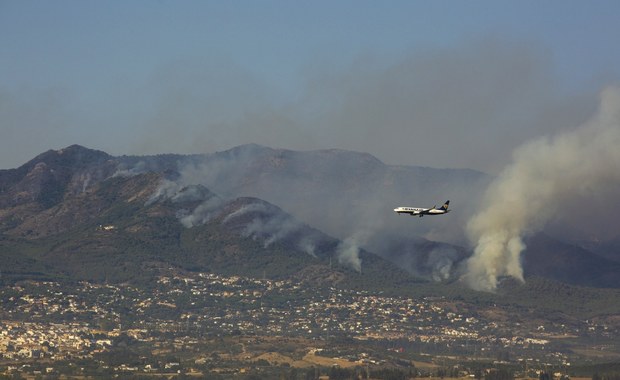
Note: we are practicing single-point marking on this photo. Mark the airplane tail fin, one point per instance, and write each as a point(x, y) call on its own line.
point(445, 205)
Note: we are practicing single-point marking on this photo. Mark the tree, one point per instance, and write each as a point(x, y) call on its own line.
point(478, 374)
point(388, 374)
point(338, 373)
point(500, 374)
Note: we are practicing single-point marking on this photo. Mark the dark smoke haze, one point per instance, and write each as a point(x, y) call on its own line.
point(465, 107)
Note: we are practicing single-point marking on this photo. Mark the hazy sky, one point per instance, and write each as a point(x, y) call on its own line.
point(433, 83)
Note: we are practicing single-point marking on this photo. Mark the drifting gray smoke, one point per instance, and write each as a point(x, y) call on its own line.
point(201, 214)
point(265, 225)
point(272, 227)
point(348, 253)
point(124, 171)
point(546, 177)
point(166, 190)
point(441, 263)
point(209, 203)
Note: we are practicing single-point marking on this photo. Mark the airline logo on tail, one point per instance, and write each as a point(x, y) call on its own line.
point(421, 211)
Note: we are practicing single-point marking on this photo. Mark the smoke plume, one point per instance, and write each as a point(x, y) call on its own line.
point(546, 179)
point(348, 251)
point(266, 225)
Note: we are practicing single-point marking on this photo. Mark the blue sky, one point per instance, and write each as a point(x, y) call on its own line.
point(433, 83)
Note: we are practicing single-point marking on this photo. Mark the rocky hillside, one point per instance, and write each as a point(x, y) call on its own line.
point(105, 226)
point(82, 213)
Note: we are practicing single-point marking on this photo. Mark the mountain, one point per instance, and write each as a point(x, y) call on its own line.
point(340, 192)
point(608, 249)
point(568, 263)
point(349, 195)
point(43, 181)
point(120, 228)
point(316, 215)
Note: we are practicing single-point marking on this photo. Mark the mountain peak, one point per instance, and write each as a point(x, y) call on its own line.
point(73, 155)
point(47, 178)
point(257, 149)
point(248, 149)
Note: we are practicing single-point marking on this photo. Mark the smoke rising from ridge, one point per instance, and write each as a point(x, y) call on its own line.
point(266, 225)
point(547, 177)
point(348, 253)
point(266, 222)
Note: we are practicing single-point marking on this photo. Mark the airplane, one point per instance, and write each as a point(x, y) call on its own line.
point(419, 211)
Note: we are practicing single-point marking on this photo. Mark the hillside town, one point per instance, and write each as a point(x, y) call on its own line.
point(200, 322)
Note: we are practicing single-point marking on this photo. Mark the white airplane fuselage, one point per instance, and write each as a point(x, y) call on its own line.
point(421, 211)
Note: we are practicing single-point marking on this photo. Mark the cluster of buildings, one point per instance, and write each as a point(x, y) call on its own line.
point(58, 341)
point(50, 320)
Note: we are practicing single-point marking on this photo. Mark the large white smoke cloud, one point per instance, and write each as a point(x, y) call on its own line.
point(545, 178)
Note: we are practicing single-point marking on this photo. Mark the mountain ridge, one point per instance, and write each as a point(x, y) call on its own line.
point(348, 193)
point(119, 227)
